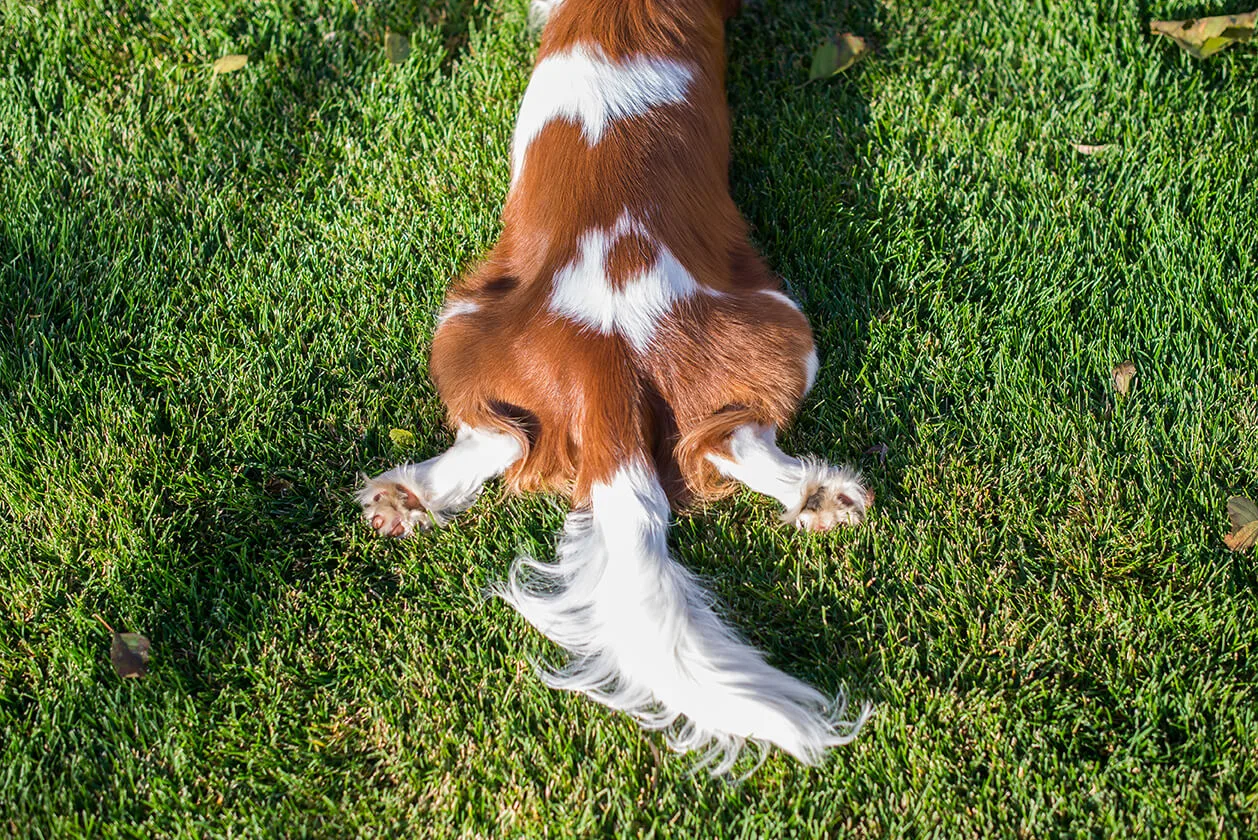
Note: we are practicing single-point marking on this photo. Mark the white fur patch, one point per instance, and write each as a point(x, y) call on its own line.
point(812, 364)
point(477, 456)
point(451, 481)
point(644, 637)
point(581, 290)
point(455, 308)
point(756, 461)
point(584, 85)
point(774, 293)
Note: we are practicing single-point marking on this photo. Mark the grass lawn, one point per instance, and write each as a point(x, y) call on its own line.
point(216, 295)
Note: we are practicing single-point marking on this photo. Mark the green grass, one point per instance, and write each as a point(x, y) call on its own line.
point(216, 296)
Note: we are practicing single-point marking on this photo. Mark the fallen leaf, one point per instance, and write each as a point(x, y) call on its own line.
point(396, 47)
point(836, 55)
point(402, 437)
point(1244, 515)
point(1085, 149)
point(230, 63)
point(878, 450)
point(1123, 376)
point(276, 486)
point(1203, 37)
point(129, 652)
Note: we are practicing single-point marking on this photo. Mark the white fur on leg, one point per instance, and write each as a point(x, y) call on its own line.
point(423, 495)
point(812, 364)
point(756, 461)
point(644, 637)
point(816, 496)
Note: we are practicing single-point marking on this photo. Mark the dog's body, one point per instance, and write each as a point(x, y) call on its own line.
point(624, 344)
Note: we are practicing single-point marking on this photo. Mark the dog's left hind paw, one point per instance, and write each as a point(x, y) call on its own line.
point(831, 497)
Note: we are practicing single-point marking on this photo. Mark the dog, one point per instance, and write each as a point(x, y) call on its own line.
point(623, 344)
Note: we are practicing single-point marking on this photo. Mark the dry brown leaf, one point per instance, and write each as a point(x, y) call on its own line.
point(276, 486)
point(1123, 376)
point(1085, 149)
point(879, 451)
point(129, 652)
point(230, 64)
point(1243, 514)
point(1203, 37)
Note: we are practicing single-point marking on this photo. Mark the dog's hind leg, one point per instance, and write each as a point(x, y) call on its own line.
point(428, 494)
point(816, 496)
point(733, 375)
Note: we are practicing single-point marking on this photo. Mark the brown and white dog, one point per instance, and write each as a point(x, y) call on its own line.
point(624, 344)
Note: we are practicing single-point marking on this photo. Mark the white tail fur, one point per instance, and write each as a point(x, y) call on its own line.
point(644, 637)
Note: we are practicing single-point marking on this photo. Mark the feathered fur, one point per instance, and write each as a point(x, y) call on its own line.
point(644, 636)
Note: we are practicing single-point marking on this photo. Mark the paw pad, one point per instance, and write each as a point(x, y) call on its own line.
point(393, 510)
point(831, 498)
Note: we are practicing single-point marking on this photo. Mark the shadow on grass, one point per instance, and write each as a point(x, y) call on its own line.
point(797, 175)
point(121, 487)
point(80, 321)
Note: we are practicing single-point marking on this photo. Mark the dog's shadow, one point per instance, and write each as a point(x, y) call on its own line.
point(797, 176)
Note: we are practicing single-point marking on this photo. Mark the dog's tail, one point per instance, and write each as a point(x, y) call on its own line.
point(644, 637)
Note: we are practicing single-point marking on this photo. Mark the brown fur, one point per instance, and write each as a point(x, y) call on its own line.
point(628, 257)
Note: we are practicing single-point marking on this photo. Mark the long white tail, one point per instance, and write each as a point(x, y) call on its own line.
point(644, 637)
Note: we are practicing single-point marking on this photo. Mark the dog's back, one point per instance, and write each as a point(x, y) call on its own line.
point(623, 307)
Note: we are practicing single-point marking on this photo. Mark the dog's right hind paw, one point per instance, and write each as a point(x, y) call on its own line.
point(393, 509)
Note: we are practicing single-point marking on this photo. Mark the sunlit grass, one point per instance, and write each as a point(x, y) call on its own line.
point(216, 296)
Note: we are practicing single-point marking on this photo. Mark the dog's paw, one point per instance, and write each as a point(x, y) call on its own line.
point(830, 498)
point(393, 509)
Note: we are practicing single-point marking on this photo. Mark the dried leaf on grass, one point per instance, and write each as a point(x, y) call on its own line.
point(1086, 149)
point(1244, 516)
point(879, 451)
point(397, 47)
point(1123, 376)
point(1203, 37)
point(230, 64)
point(837, 55)
point(402, 437)
point(129, 652)
point(276, 486)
